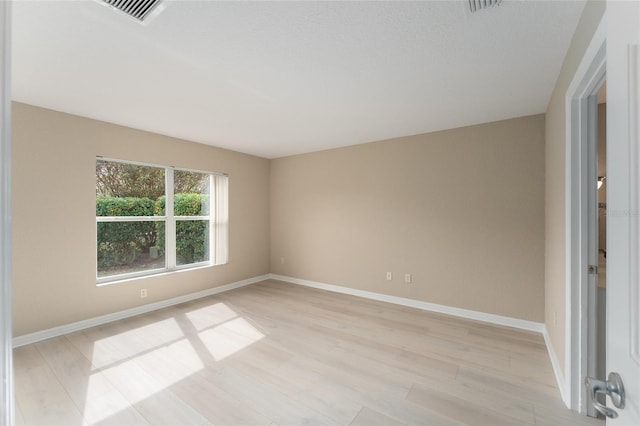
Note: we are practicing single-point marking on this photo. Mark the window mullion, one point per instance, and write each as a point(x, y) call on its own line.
point(211, 219)
point(130, 218)
point(170, 226)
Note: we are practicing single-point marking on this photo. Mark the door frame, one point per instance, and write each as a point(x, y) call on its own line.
point(6, 305)
point(580, 167)
point(623, 198)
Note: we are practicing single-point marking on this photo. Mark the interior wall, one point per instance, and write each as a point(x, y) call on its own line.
point(54, 217)
point(602, 171)
point(555, 211)
point(461, 210)
point(601, 291)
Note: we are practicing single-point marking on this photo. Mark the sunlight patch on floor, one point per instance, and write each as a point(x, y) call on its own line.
point(229, 338)
point(210, 316)
point(172, 363)
point(102, 401)
point(140, 378)
point(156, 356)
point(137, 341)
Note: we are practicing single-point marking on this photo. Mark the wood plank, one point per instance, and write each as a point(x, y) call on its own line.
point(265, 399)
point(92, 393)
point(463, 410)
point(150, 396)
point(19, 418)
point(504, 404)
point(369, 417)
point(42, 398)
point(217, 405)
point(279, 354)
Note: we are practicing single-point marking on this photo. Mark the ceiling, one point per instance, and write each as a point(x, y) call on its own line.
point(281, 78)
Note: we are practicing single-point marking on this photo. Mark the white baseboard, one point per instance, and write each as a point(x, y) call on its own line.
point(432, 307)
point(556, 368)
point(92, 322)
point(443, 309)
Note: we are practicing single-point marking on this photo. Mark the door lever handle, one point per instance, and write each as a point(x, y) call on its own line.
point(612, 387)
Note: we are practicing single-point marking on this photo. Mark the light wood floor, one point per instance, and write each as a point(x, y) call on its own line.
point(279, 354)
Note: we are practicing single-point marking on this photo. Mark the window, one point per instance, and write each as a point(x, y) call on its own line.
point(153, 219)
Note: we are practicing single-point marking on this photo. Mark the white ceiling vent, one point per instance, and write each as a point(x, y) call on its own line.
point(137, 9)
point(476, 5)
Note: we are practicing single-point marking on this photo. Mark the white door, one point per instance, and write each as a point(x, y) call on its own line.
point(623, 180)
point(6, 372)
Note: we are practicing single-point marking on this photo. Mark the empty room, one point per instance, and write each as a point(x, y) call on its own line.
point(320, 212)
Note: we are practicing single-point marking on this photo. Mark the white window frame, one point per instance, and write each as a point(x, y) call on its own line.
point(217, 218)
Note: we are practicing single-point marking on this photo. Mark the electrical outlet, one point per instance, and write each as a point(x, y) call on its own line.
point(282, 260)
point(143, 293)
point(389, 276)
point(407, 278)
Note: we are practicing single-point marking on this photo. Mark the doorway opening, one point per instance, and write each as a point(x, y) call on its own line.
point(597, 356)
point(617, 33)
point(581, 357)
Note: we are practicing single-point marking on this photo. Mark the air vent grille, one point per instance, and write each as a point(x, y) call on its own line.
point(138, 9)
point(476, 5)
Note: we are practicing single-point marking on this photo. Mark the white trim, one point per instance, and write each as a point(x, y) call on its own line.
point(431, 307)
point(555, 363)
point(634, 199)
point(170, 222)
point(448, 310)
point(92, 322)
point(119, 278)
point(177, 218)
point(6, 306)
point(426, 306)
point(588, 74)
point(100, 219)
point(158, 166)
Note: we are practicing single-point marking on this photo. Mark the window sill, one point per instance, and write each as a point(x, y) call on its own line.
point(116, 279)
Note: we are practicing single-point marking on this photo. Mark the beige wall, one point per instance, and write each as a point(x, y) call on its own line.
point(555, 145)
point(54, 216)
point(462, 210)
